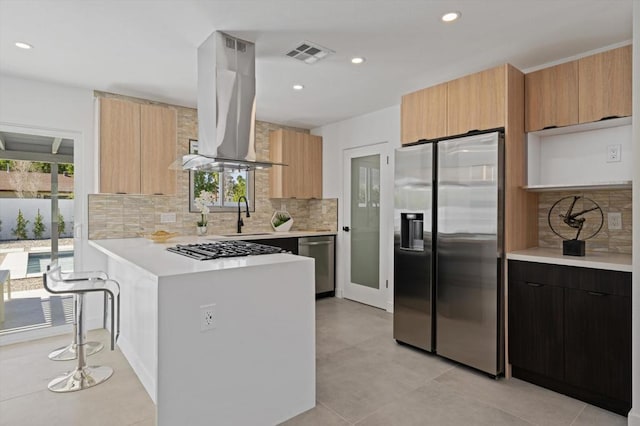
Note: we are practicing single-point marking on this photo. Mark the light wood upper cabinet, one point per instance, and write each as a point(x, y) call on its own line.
point(137, 145)
point(476, 101)
point(158, 131)
point(552, 97)
point(424, 114)
point(605, 85)
point(119, 146)
point(302, 177)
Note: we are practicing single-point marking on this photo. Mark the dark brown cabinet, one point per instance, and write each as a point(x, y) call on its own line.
point(536, 327)
point(570, 331)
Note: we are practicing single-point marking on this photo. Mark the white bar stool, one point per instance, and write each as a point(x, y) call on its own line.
point(69, 352)
point(78, 284)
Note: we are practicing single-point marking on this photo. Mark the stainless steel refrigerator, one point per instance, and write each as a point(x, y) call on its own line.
point(448, 249)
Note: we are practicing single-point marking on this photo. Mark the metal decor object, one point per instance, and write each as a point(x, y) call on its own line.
point(575, 214)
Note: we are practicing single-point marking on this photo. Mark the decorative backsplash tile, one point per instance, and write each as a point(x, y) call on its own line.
point(124, 216)
point(607, 240)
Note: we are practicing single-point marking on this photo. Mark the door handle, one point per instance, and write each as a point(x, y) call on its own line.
point(534, 284)
point(596, 293)
point(318, 243)
point(346, 229)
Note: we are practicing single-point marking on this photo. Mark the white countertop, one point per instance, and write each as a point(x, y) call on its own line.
point(156, 260)
point(596, 260)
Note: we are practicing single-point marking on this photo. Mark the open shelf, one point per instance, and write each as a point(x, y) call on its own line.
point(623, 184)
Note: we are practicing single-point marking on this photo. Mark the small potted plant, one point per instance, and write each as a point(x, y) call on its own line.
point(202, 202)
point(281, 221)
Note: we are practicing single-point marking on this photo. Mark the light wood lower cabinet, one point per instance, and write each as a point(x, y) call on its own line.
point(137, 146)
point(302, 175)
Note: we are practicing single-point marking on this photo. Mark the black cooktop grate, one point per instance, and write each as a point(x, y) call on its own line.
point(222, 249)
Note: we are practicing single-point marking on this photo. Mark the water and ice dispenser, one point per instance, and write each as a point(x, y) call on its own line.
point(412, 231)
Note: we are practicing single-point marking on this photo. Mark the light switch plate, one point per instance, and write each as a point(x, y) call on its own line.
point(167, 217)
point(614, 220)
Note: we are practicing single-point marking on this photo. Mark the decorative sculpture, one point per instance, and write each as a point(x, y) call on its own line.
point(590, 214)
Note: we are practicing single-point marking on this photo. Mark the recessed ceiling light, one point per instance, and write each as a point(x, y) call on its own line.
point(451, 16)
point(357, 60)
point(23, 45)
point(298, 87)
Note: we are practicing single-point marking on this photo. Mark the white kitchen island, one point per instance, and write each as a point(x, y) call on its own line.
point(256, 367)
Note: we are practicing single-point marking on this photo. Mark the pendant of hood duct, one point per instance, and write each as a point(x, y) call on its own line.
point(226, 107)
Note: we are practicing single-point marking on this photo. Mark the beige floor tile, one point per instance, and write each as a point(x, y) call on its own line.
point(532, 403)
point(121, 400)
point(146, 422)
point(594, 416)
point(319, 415)
point(436, 404)
point(426, 364)
point(354, 383)
point(41, 370)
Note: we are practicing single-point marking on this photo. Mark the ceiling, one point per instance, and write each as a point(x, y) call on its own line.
point(148, 48)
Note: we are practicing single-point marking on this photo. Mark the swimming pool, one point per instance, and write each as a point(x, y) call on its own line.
point(37, 262)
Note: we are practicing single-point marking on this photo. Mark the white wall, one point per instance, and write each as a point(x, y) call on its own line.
point(35, 107)
point(29, 207)
point(634, 415)
point(368, 129)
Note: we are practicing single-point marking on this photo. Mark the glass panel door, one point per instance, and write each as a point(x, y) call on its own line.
point(366, 210)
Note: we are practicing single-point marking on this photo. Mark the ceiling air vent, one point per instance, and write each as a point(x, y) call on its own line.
point(309, 53)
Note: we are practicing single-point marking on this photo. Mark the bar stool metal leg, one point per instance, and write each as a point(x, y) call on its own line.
point(69, 352)
point(83, 376)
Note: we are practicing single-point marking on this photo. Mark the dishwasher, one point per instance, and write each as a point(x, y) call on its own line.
point(322, 249)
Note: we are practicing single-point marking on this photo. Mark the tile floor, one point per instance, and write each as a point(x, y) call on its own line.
point(363, 378)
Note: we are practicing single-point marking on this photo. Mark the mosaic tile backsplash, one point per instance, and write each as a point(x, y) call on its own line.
point(607, 240)
point(124, 216)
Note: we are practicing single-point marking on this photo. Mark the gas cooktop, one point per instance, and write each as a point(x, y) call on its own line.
point(220, 249)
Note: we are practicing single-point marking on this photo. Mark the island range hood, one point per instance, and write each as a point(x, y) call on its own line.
point(226, 106)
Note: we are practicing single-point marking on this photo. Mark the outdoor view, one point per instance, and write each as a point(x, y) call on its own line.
point(26, 241)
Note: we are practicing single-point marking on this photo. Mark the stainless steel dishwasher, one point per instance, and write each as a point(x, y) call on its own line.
point(322, 249)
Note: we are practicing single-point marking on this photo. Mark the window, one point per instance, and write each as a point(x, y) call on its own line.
point(227, 187)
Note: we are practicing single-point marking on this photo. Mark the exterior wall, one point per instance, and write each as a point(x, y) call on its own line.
point(29, 207)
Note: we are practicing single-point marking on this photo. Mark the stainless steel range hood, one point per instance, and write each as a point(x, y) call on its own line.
point(226, 106)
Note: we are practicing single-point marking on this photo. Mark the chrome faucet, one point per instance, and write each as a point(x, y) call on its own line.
point(240, 221)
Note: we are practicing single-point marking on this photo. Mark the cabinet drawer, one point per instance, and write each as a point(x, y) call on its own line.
point(596, 280)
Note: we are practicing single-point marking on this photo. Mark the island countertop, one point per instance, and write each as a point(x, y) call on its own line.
point(595, 260)
point(154, 258)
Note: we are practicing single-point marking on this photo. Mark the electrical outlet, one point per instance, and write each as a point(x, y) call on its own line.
point(207, 317)
point(613, 153)
point(615, 220)
point(167, 217)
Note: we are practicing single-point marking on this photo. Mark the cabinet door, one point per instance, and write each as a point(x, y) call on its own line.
point(424, 114)
point(158, 149)
point(312, 173)
point(283, 148)
point(598, 343)
point(119, 146)
point(551, 97)
point(476, 102)
point(536, 328)
point(605, 85)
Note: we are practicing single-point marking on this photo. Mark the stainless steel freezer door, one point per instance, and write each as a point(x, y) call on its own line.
point(468, 251)
point(412, 318)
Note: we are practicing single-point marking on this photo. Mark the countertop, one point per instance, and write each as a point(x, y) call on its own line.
point(596, 260)
point(157, 261)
